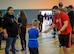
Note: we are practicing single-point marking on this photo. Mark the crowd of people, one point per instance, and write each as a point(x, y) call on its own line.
point(41, 18)
point(10, 27)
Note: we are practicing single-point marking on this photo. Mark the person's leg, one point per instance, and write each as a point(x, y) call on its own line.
point(25, 44)
point(35, 50)
point(31, 51)
point(21, 37)
point(67, 43)
point(13, 45)
point(40, 27)
point(69, 40)
point(54, 33)
point(21, 40)
point(24, 38)
point(66, 50)
point(8, 43)
point(60, 40)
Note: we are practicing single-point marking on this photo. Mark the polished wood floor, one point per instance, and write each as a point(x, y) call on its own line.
point(46, 46)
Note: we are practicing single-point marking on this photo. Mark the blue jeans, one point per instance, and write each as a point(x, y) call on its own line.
point(10, 42)
point(1, 36)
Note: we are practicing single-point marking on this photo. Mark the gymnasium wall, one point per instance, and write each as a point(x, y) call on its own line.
point(67, 2)
point(31, 7)
point(28, 4)
point(30, 13)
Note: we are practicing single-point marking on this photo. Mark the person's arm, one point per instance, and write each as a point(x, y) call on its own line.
point(65, 20)
point(64, 26)
point(50, 28)
point(5, 33)
point(4, 28)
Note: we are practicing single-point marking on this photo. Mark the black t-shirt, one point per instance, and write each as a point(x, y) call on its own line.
point(40, 18)
point(71, 16)
point(23, 21)
point(10, 25)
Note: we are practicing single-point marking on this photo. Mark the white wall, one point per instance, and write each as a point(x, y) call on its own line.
point(28, 4)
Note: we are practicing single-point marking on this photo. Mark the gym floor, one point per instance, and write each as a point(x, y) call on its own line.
point(47, 45)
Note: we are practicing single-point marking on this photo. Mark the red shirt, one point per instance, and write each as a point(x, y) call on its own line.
point(59, 21)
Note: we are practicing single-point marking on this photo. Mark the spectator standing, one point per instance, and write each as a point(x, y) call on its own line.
point(10, 30)
point(22, 24)
point(40, 18)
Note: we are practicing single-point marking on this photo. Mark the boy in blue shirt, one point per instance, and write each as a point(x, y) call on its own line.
point(33, 35)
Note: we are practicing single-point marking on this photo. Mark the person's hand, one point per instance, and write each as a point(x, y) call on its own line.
point(59, 32)
point(45, 31)
point(5, 35)
point(20, 25)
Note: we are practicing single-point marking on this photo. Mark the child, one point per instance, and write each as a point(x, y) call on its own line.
point(33, 34)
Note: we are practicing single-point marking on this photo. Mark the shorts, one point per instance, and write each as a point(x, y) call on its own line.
point(65, 40)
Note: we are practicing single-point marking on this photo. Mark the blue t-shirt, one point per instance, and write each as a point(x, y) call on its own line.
point(33, 35)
